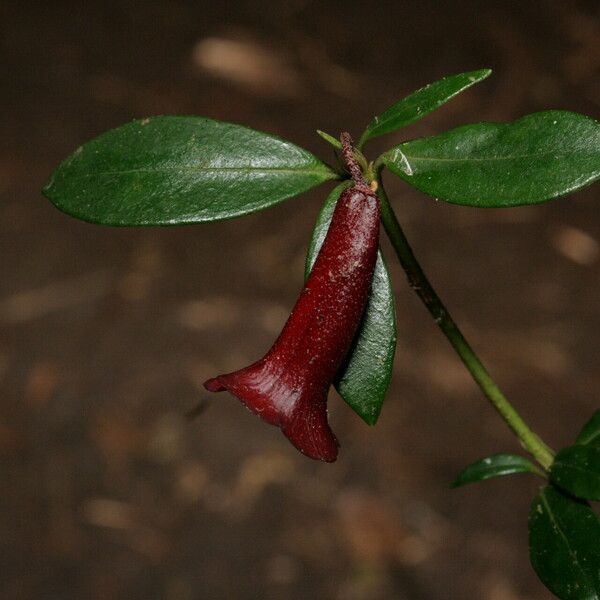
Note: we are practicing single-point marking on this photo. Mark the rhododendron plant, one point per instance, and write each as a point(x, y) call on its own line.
point(342, 330)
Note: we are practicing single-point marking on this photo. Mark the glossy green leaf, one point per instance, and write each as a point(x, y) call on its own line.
point(576, 469)
point(590, 434)
point(421, 103)
point(564, 545)
point(495, 466)
point(364, 378)
point(538, 157)
point(173, 170)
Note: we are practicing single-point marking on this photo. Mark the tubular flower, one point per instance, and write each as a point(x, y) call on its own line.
point(288, 387)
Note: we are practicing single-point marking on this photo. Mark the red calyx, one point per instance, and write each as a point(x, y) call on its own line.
point(288, 387)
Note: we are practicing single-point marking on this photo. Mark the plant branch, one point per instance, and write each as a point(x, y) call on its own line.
point(420, 284)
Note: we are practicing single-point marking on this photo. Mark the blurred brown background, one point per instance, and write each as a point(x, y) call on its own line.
point(107, 490)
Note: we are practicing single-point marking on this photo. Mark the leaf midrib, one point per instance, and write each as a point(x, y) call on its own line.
point(495, 158)
point(321, 171)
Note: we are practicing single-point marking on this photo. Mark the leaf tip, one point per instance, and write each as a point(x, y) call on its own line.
point(330, 139)
point(370, 419)
point(47, 189)
point(479, 75)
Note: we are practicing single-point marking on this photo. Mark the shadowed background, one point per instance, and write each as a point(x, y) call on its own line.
point(108, 490)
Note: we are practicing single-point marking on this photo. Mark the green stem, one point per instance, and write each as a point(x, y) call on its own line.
point(420, 284)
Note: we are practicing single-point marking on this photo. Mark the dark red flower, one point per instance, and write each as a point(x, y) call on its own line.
point(288, 386)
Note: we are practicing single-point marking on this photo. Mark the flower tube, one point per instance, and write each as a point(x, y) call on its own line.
point(288, 387)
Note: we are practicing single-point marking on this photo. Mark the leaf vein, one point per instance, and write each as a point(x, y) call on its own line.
point(211, 169)
point(572, 552)
point(495, 158)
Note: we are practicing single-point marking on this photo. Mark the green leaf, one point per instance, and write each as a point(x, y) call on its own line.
point(173, 170)
point(421, 103)
point(330, 139)
point(564, 545)
point(538, 157)
point(364, 378)
point(495, 466)
point(576, 469)
point(590, 434)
